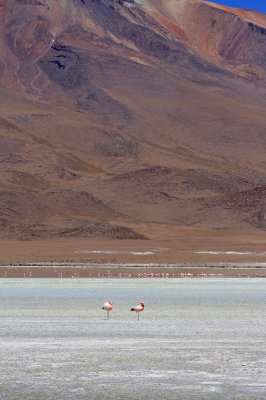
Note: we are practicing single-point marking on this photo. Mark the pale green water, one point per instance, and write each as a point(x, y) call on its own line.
point(196, 339)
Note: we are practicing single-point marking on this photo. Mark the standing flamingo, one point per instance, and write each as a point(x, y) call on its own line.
point(108, 306)
point(138, 309)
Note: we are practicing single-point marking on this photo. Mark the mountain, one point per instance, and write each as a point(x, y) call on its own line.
point(122, 114)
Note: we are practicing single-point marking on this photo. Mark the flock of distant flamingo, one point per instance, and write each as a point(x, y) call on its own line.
point(108, 306)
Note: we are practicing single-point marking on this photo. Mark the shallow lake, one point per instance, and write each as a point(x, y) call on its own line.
point(196, 339)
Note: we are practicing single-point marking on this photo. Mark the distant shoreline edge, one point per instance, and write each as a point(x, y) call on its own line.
point(130, 270)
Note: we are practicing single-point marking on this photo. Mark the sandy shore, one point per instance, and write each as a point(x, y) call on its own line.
point(170, 251)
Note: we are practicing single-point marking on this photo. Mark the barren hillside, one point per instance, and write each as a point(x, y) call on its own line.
point(119, 113)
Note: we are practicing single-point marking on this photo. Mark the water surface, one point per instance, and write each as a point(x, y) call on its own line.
point(196, 339)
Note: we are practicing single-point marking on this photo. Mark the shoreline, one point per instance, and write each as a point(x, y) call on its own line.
point(171, 251)
point(133, 270)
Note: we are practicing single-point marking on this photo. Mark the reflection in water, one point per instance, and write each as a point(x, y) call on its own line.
point(196, 339)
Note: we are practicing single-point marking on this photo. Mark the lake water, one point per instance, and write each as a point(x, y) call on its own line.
point(196, 339)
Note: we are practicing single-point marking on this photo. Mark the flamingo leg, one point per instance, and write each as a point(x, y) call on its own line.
point(138, 316)
point(107, 314)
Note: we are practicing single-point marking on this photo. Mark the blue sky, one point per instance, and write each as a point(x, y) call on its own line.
point(259, 5)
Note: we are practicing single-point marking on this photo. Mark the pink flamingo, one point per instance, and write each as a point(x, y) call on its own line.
point(108, 306)
point(138, 309)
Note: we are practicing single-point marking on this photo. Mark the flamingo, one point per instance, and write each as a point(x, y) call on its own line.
point(108, 306)
point(138, 309)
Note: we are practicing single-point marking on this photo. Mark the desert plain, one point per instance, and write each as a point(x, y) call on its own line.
point(169, 252)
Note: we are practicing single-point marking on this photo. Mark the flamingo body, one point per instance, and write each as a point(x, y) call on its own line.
point(138, 309)
point(108, 306)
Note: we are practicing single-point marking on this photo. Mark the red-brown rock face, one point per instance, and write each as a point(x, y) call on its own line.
point(231, 38)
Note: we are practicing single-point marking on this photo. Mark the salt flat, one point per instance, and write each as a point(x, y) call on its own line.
point(196, 339)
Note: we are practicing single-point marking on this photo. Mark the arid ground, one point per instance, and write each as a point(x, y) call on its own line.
point(173, 252)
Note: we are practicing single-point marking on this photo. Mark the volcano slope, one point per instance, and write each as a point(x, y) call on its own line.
point(117, 116)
